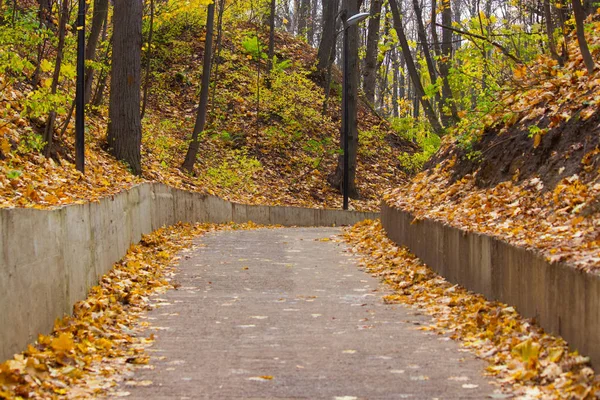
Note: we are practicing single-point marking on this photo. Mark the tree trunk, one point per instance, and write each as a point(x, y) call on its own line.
point(98, 19)
point(370, 72)
point(330, 9)
point(395, 83)
point(304, 18)
point(192, 153)
point(328, 79)
point(412, 70)
point(148, 61)
point(271, 39)
point(382, 77)
point(434, 35)
point(99, 93)
point(350, 101)
point(49, 131)
point(550, 32)
point(125, 126)
point(310, 35)
point(44, 14)
point(562, 18)
point(424, 42)
point(583, 47)
point(444, 65)
point(216, 59)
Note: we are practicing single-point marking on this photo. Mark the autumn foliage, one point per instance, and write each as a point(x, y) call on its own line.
point(528, 170)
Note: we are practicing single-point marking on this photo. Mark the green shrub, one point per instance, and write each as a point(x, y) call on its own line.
point(237, 171)
point(417, 132)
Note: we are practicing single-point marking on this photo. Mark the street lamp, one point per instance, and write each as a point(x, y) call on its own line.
point(347, 22)
point(80, 89)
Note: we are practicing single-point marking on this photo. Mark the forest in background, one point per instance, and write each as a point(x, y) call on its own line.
point(420, 72)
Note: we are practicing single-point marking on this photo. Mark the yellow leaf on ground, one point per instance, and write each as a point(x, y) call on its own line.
point(63, 343)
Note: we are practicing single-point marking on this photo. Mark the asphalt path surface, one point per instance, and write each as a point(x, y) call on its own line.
point(288, 314)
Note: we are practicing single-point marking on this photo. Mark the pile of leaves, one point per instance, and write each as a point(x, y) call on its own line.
point(528, 171)
point(525, 360)
point(272, 147)
point(87, 352)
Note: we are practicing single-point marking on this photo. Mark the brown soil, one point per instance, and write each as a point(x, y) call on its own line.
point(512, 156)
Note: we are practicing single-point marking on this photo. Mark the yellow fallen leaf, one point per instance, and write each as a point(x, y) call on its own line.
point(63, 343)
point(537, 139)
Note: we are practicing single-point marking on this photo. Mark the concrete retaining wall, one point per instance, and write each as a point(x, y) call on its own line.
point(50, 258)
point(562, 299)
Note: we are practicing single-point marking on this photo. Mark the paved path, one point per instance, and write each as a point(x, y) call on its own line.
point(280, 314)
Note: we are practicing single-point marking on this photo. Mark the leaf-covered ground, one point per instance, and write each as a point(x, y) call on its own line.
point(525, 361)
point(528, 171)
point(274, 148)
point(88, 352)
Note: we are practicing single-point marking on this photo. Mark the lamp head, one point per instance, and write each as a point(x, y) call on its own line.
point(356, 18)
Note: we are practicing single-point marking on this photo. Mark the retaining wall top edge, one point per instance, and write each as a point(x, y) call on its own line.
point(153, 184)
point(497, 239)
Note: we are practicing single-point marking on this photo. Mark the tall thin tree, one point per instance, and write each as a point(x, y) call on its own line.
point(62, 32)
point(370, 71)
point(98, 18)
point(271, 40)
point(412, 71)
point(579, 12)
point(194, 147)
point(328, 36)
point(148, 61)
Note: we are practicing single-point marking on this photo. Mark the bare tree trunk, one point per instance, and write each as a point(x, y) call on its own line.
point(434, 36)
point(328, 37)
point(370, 72)
point(192, 153)
point(43, 14)
point(271, 39)
point(303, 14)
point(395, 80)
point(316, 22)
point(350, 101)
point(328, 80)
point(289, 26)
point(49, 131)
point(444, 65)
point(402, 80)
point(98, 20)
point(384, 84)
point(424, 42)
point(216, 59)
point(125, 126)
point(562, 19)
point(96, 100)
point(550, 32)
point(583, 46)
point(148, 61)
point(382, 81)
point(412, 70)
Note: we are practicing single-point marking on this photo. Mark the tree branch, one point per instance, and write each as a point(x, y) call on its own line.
point(503, 49)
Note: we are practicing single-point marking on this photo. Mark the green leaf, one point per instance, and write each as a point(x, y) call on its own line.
point(46, 66)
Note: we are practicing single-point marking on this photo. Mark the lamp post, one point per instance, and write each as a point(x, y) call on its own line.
point(79, 91)
point(347, 23)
